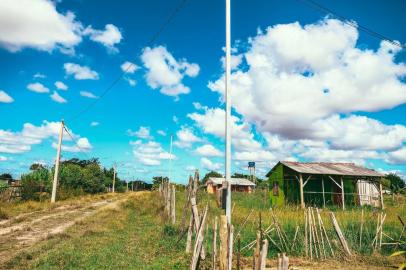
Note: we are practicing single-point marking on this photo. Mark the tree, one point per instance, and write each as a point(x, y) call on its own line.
point(396, 183)
point(6, 176)
point(210, 174)
point(36, 166)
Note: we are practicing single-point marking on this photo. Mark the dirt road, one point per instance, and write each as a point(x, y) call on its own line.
point(23, 231)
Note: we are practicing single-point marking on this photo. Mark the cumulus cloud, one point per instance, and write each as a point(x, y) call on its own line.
point(129, 67)
point(37, 25)
point(297, 74)
point(81, 145)
point(37, 87)
point(142, 133)
point(166, 73)
point(57, 98)
point(94, 124)
point(303, 88)
point(208, 150)
point(397, 156)
point(209, 165)
point(185, 138)
point(80, 72)
point(150, 153)
point(5, 98)
point(60, 85)
point(108, 37)
point(22, 141)
point(88, 94)
point(40, 26)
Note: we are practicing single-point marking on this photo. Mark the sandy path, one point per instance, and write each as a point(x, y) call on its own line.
point(22, 232)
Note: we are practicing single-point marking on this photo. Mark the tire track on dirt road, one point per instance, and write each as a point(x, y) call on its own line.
point(21, 233)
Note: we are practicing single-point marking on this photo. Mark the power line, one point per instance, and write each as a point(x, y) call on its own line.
point(131, 65)
point(369, 31)
point(76, 143)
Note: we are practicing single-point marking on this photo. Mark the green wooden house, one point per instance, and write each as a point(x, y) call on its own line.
point(323, 183)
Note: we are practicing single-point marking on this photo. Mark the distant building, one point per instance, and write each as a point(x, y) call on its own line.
point(237, 184)
point(323, 183)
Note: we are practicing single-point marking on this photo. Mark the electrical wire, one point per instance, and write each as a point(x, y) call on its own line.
point(372, 33)
point(131, 65)
point(76, 143)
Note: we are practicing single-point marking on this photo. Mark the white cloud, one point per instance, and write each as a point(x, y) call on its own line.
point(150, 153)
point(129, 67)
point(236, 60)
point(208, 150)
point(212, 121)
point(397, 156)
point(3, 158)
point(161, 132)
point(131, 82)
point(37, 24)
point(80, 72)
point(57, 98)
point(88, 94)
point(109, 37)
point(22, 141)
point(142, 133)
point(296, 75)
point(37, 87)
point(199, 106)
point(5, 98)
point(94, 124)
point(209, 165)
point(185, 138)
point(175, 119)
point(60, 85)
point(39, 76)
point(166, 73)
point(82, 145)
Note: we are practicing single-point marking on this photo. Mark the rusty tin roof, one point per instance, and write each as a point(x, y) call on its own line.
point(330, 168)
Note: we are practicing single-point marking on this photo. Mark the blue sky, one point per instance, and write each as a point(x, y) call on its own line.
point(305, 86)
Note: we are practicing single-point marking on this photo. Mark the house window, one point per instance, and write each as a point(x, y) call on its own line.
point(275, 188)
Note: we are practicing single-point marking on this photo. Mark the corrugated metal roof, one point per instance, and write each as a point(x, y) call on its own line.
point(330, 168)
point(234, 181)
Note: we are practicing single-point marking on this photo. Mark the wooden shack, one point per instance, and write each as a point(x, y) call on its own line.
point(324, 183)
point(237, 184)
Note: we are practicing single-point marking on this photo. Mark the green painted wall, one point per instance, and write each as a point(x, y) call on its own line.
point(277, 176)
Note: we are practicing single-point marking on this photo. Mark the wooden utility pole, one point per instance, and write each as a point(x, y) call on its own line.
point(114, 177)
point(58, 158)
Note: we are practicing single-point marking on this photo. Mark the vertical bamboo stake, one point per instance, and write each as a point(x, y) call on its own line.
point(257, 252)
point(360, 230)
point(325, 233)
point(306, 237)
point(340, 234)
point(223, 242)
point(238, 251)
point(173, 205)
point(189, 235)
point(321, 233)
point(214, 243)
point(264, 253)
point(279, 266)
point(310, 234)
point(285, 262)
point(230, 246)
point(199, 242)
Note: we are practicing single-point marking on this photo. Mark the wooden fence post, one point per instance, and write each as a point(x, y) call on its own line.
point(189, 235)
point(199, 242)
point(173, 205)
point(214, 243)
point(223, 242)
point(340, 234)
point(264, 253)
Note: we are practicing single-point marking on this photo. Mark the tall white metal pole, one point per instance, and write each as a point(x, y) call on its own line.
point(58, 157)
point(228, 110)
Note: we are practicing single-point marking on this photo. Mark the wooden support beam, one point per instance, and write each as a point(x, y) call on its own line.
point(332, 179)
point(322, 188)
point(342, 193)
point(302, 203)
point(307, 180)
point(381, 194)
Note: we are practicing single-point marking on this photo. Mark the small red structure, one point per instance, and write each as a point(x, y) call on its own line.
point(237, 184)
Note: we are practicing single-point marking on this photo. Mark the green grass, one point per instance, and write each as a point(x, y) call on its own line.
point(136, 236)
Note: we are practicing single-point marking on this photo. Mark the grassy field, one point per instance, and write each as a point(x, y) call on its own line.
point(133, 235)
